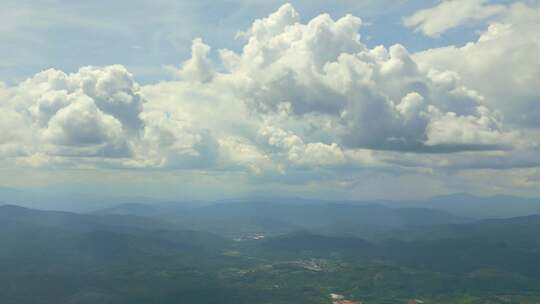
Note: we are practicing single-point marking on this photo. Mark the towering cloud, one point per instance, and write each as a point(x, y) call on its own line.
point(326, 75)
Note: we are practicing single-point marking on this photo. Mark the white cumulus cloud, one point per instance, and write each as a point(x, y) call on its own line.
point(298, 97)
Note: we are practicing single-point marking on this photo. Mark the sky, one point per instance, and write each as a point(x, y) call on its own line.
point(348, 99)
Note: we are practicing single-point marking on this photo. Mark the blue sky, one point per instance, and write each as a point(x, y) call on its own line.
point(146, 35)
point(209, 99)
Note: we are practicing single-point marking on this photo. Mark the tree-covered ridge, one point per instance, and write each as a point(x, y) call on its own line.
point(61, 257)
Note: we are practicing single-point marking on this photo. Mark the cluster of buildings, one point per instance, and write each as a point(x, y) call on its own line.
point(250, 237)
point(339, 299)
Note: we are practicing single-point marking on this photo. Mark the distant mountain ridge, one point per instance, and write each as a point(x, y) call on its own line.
point(459, 204)
point(237, 218)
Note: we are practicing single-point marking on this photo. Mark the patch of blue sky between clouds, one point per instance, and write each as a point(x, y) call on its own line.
point(145, 36)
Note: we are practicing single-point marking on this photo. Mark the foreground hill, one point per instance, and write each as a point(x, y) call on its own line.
point(34, 233)
point(523, 231)
point(479, 207)
point(11, 214)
